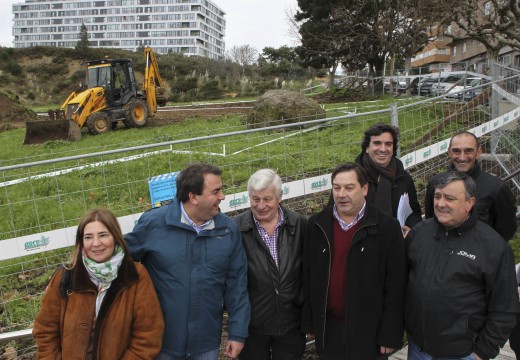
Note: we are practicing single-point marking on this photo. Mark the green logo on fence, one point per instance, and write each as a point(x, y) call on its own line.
point(285, 190)
point(427, 154)
point(408, 160)
point(240, 201)
point(444, 146)
point(319, 184)
point(36, 244)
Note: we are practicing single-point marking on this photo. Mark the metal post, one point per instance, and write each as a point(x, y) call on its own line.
point(394, 120)
point(494, 105)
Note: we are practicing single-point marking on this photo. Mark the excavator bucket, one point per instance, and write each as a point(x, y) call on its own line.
point(40, 131)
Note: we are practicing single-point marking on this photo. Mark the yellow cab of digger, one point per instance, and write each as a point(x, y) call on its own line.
point(98, 79)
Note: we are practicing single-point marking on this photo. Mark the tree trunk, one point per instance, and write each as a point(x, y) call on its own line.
point(378, 65)
point(392, 73)
point(332, 75)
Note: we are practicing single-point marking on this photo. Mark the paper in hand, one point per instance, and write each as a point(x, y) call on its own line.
point(404, 210)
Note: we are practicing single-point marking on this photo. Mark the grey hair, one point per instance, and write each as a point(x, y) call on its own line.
point(262, 179)
point(469, 184)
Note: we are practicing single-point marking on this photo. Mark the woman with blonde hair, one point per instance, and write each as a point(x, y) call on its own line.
point(100, 305)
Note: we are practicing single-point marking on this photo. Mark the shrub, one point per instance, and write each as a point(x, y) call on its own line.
point(210, 90)
point(13, 68)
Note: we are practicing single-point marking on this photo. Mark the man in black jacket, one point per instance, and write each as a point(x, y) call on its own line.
point(272, 238)
point(354, 274)
point(495, 204)
point(387, 177)
point(461, 301)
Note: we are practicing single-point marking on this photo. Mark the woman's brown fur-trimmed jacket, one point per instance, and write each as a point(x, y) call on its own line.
point(129, 324)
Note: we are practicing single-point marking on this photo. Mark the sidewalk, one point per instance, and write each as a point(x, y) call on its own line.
point(505, 354)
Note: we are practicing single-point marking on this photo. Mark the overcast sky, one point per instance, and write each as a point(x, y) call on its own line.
point(258, 23)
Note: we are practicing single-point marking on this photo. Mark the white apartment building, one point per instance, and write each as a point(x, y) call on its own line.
point(190, 27)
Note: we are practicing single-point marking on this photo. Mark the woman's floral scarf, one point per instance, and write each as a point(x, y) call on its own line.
point(102, 274)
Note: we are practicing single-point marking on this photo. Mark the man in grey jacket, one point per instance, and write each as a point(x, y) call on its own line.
point(273, 240)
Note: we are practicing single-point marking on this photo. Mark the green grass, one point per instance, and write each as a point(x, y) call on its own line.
point(30, 207)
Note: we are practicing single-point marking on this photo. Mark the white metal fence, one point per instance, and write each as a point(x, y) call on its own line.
point(42, 198)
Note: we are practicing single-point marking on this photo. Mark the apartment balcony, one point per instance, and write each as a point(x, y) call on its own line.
point(432, 56)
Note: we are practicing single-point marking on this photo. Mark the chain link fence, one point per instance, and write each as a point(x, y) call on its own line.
point(49, 192)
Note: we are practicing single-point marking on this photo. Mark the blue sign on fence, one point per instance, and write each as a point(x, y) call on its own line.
point(162, 188)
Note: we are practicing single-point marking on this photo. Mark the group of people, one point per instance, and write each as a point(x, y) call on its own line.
point(351, 277)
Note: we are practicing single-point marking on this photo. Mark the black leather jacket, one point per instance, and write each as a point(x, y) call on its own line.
point(462, 292)
point(275, 294)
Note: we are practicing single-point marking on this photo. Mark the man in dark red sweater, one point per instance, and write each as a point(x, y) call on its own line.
point(354, 274)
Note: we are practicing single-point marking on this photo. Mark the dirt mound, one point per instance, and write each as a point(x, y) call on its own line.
point(277, 107)
point(12, 113)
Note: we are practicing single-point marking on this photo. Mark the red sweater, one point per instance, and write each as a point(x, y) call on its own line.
point(338, 270)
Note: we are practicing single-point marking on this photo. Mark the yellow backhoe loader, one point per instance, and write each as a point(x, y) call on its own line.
point(109, 95)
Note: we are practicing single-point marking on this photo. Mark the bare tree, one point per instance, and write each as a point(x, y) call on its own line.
point(494, 23)
point(294, 25)
point(243, 56)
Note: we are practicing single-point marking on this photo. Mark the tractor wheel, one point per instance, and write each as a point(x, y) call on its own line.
point(136, 113)
point(98, 123)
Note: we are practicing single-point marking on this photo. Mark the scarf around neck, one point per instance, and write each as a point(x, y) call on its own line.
point(384, 177)
point(102, 274)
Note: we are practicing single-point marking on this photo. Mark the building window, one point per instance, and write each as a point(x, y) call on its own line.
point(506, 60)
point(464, 47)
point(454, 51)
point(149, 22)
point(487, 8)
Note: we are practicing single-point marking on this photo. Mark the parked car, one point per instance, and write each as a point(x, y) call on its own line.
point(466, 90)
point(425, 85)
point(444, 85)
point(400, 84)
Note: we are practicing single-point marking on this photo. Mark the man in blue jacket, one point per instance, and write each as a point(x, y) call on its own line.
point(196, 260)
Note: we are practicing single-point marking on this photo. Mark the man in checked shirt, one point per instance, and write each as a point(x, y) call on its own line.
point(272, 238)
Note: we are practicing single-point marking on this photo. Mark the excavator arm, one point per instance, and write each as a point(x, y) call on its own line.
point(152, 84)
